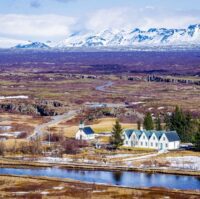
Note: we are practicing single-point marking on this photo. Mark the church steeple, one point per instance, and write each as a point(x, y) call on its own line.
point(81, 125)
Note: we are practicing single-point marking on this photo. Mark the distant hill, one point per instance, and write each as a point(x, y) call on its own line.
point(32, 45)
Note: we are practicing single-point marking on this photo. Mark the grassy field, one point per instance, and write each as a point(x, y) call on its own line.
point(45, 188)
point(99, 126)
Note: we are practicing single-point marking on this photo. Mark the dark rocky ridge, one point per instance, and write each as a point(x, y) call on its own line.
point(40, 108)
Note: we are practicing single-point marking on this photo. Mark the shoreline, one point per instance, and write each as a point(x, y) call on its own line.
point(22, 164)
point(68, 180)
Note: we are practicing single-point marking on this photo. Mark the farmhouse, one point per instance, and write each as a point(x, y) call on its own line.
point(84, 133)
point(160, 140)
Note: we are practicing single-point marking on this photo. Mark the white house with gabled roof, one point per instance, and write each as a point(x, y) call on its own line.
point(84, 132)
point(160, 140)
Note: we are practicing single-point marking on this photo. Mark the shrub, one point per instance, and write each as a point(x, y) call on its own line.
point(2, 148)
point(72, 146)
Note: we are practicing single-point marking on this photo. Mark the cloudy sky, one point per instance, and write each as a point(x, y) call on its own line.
point(56, 19)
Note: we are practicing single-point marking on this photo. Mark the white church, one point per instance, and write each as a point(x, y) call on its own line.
point(85, 132)
point(160, 140)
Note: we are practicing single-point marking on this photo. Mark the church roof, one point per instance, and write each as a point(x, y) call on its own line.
point(88, 130)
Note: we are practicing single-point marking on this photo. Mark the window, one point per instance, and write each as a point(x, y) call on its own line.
point(132, 143)
point(164, 138)
point(151, 143)
point(146, 144)
point(136, 143)
point(127, 142)
point(166, 145)
point(156, 144)
point(143, 137)
point(141, 143)
point(154, 138)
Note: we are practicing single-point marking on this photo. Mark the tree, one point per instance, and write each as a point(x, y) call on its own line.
point(197, 141)
point(180, 122)
point(148, 122)
point(117, 139)
point(2, 148)
point(158, 124)
point(138, 124)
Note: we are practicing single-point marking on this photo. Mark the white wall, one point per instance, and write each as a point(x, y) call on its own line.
point(154, 142)
point(81, 135)
point(134, 142)
point(163, 143)
point(174, 145)
point(143, 141)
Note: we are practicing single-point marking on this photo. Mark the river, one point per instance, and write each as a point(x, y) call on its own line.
point(125, 178)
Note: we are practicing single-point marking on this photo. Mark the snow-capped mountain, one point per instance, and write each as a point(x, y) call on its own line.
point(32, 45)
point(9, 43)
point(134, 37)
point(116, 39)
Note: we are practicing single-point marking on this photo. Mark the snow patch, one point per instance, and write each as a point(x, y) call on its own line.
point(14, 97)
point(185, 162)
point(58, 188)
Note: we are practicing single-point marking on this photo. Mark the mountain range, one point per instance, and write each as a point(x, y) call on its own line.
point(123, 39)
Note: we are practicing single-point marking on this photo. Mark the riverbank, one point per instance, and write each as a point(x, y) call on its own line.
point(43, 187)
point(10, 163)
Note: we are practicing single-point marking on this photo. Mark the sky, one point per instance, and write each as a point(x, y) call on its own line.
point(56, 19)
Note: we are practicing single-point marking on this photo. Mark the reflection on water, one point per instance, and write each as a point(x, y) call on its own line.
point(117, 176)
point(130, 179)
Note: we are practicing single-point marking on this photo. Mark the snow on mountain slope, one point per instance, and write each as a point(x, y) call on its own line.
point(32, 45)
point(118, 39)
point(135, 37)
point(9, 43)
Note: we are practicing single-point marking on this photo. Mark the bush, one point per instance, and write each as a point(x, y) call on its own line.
point(2, 148)
point(54, 137)
point(33, 147)
point(72, 146)
point(22, 135)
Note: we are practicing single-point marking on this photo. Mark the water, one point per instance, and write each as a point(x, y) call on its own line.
point(130, 179)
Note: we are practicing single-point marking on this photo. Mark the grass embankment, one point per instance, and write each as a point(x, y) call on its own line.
point(11, 163)
point(40, 187)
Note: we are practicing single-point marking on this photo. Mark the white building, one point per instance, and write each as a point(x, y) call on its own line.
point(160, 140)
point(84, 133)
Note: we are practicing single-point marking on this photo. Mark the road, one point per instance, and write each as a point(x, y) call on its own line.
point(103, 88)
point(40, 129)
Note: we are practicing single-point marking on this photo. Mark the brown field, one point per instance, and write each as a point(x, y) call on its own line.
point(29, 187)
point(74, 92)
point(98, 125)
point(20, 123)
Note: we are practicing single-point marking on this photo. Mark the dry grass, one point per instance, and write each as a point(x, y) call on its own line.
point(23, 187)
point(106, 125)
point(99, 126)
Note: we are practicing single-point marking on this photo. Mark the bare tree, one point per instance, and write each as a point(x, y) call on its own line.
point(2, 148)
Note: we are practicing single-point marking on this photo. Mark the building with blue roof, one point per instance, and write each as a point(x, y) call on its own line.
point(160, 140)
point(85, 132)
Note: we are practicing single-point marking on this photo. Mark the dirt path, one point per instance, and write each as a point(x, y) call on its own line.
point(129, 160)
point(40, 129)
point(103, 88)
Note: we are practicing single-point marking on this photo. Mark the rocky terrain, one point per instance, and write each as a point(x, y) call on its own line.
point(40, 108)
